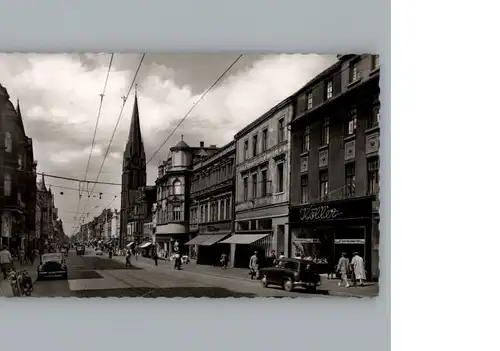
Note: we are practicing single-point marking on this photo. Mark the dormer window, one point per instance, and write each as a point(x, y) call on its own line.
point(8, 142)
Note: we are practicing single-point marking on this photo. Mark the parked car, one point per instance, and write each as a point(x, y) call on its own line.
point(290, 273)
point(52, 265)
point(80, 250)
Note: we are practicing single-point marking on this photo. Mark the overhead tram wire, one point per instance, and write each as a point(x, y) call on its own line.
point(117, 123)
point(194, 105)
point(95, 127)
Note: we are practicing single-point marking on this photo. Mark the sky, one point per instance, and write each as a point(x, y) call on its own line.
point(59, 99)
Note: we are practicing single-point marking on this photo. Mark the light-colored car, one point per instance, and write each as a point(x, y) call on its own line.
point(98, 252)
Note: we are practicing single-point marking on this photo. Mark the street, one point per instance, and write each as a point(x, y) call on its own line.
point(98, 276)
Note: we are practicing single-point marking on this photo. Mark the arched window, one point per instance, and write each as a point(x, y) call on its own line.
point(7, 185)
point(177, 187)
point(177, 213)
point(8, 142)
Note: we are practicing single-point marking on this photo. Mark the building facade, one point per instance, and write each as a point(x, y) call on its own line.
point(46, 215)
point(140, 215)
point(211, 200)
point(17, 178)
point(133, 177)
point(334, 181)
point(261, 187)
point(172, 193)
point(115, 226)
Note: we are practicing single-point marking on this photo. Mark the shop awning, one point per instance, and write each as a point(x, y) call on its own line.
point(243, 239)
point(145, 245)
point(130, 244)
point(213, 239)
point(197, 240)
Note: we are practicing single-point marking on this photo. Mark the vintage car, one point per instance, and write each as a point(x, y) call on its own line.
point(290, 273)
point(52, 265)
point(80, 250)
point(98, 252)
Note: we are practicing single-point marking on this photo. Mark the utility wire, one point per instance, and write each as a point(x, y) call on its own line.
point(117, 123)
point(96, 125)
point(76, 189)
point(194, 105)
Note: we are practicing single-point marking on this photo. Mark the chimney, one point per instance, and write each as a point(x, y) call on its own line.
point(202, 144)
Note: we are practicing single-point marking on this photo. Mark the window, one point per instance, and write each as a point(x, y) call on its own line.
point(375, 61)
point(202, 214)
point(245, 150)
point(304, 190)
point(281, 130)
point(329, 89)
point(350, 179)
point(280, 176)
point(254, 142)
point(215, 205)
point(7, 185)
point(309, 98)
point(254, 185)
point(264, 139)
point(323, 184)
point(177, 187)
point(263, 191)
point(305, 140)
point(354, 73)
point(373, 176)
point(245, 189)
point(19, 161)
point(325, 133)
point(350, 128)
point(374, 119)
point(228, 208)
point(206, 212)
point(8, 142)
point(177, 213)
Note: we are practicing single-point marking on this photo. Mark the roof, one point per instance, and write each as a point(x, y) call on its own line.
point(181, 145)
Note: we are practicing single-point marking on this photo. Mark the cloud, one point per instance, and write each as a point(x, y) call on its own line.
point(59, 96)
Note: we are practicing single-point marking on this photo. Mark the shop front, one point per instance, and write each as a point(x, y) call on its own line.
point(171, 239)
point(324, 231)
point(207, 244)
point(245, 244)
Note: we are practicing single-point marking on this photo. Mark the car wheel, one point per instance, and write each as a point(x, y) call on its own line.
point(264, 281)
point(288, 285)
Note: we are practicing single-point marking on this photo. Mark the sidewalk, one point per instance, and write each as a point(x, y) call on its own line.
point(331, 285)
point(5, 288)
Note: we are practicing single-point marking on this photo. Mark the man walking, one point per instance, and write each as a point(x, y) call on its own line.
point(343, 269)
point(5, 261)
point(254, 266)
point(358, 267)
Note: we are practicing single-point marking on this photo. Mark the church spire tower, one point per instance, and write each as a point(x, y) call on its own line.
point(133, 172)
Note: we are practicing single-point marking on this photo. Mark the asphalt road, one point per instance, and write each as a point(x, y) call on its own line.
point(98, 276)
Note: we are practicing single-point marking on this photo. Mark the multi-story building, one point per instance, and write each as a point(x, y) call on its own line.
point(141, 214)
point(115, 226)
point(262, 173)
point(46, 214)
point(211, 199)
point(17, 178)
point(334, 162)
point(172, 191)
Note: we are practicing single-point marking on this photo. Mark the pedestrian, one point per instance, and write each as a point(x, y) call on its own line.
point(358, 268)
point(136, 254)
point(343, 269)
point(273, 258)
point(223, 260)
point(5, 261)
point(155, 257)
point(254, 266)
point(128, 254)
point(331, 267)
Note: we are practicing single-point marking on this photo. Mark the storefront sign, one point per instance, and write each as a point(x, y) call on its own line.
point(318, 213)
point(330, 211)
point(307, 241)
point(349, 241)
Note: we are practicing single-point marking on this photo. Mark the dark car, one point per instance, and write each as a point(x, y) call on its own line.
point(80, 250)
point(290, 273)
point(53, 265)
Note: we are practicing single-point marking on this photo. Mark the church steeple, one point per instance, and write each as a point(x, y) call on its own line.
point(19, 115)
point(134, 149)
